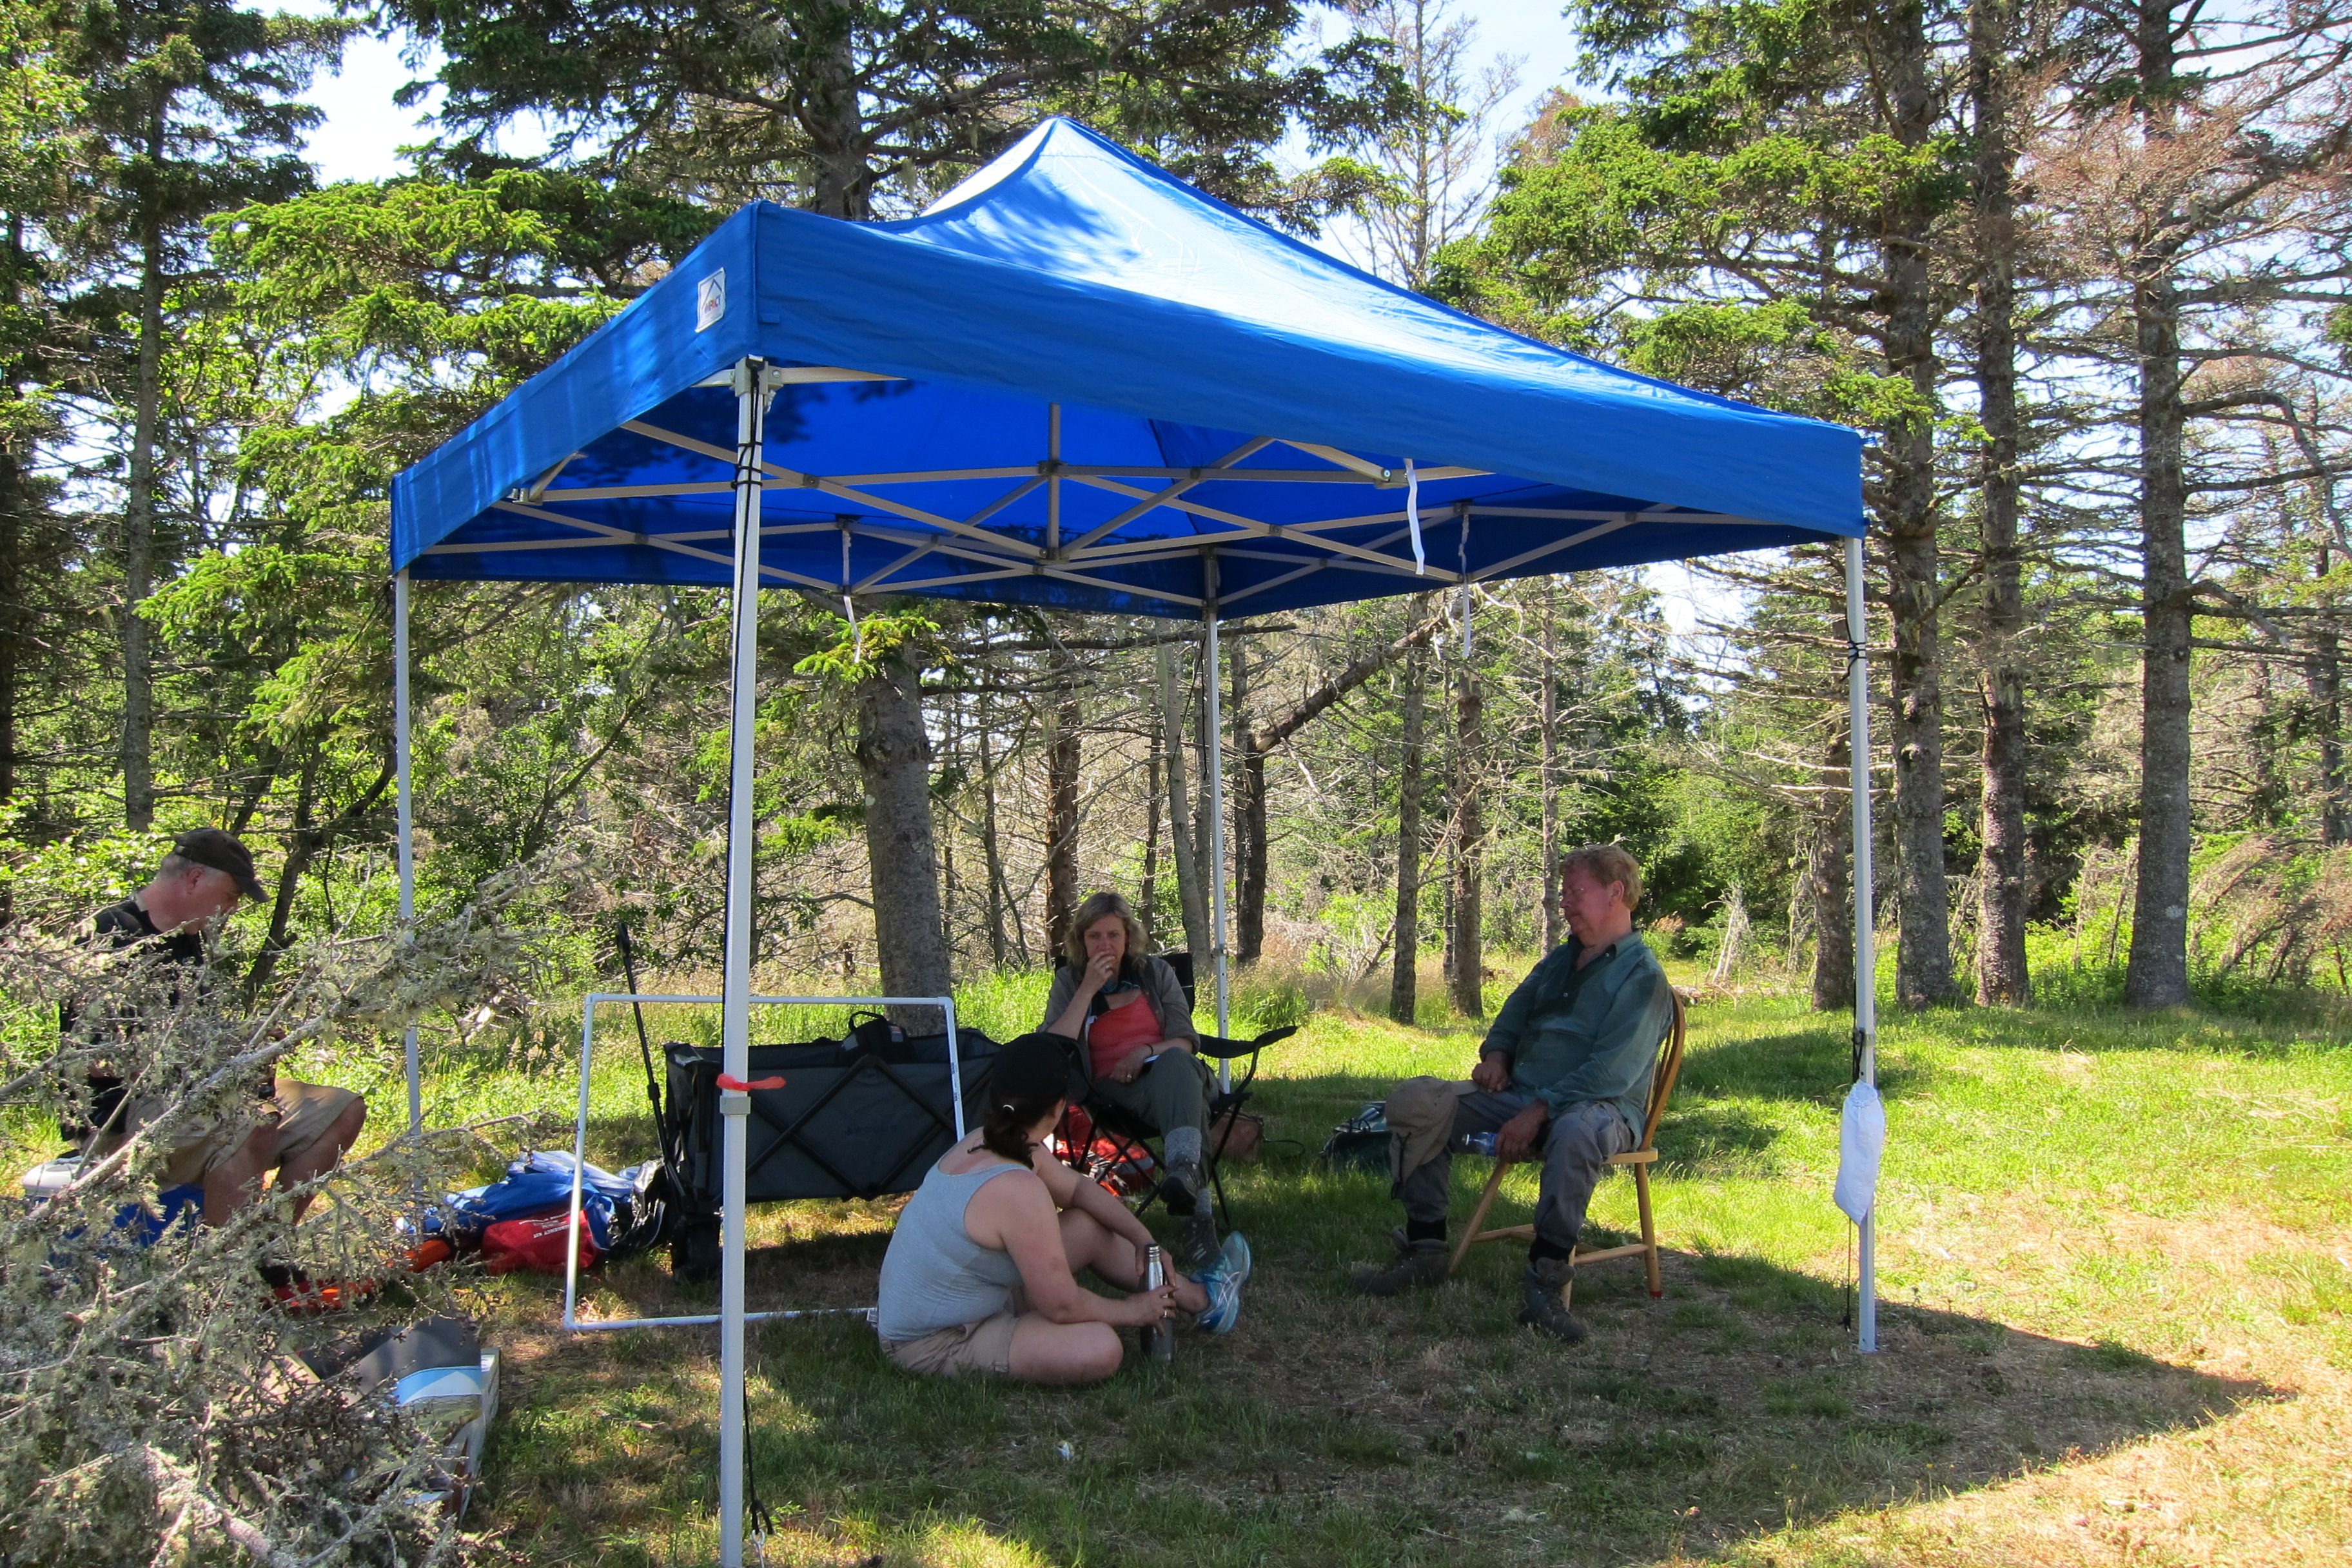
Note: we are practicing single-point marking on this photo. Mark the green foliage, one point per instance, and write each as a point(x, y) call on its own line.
point(58, 882)
point(905, 634)
point(851, 108)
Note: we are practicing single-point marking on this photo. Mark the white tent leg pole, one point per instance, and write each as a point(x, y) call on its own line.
point(1210, 664)
point(407, 833)
point(735, 1036)
point(1865, 945)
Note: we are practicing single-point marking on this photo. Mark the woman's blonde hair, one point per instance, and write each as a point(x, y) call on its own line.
point(1074, 946)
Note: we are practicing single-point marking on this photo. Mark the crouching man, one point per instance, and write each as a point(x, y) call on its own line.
point(1565, 1070)
point(300, 1131)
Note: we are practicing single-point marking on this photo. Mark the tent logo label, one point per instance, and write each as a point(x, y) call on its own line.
point(710, 301)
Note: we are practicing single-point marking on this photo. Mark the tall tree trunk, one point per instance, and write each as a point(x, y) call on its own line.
point(1923, 960)
point(1256, 744)
point(1249, 826)
point(1149, 892)
point(1404, 966)
point(1550, 922)
point(833, 121)
point(2001, 972)
point(302, 844)
point(1189, 886)
point(894, 757)
point(2156, 973)
point(893, 750)
point(2325, 673)
point(2267, 796)
point(2326, 680)
point(139, 528)
point(1828, 879)
point(1062, 759)
point(991, 847)
point(1469, 846)
point(951, 740)
point(12, 504)
point(1207, 829)
point(15, 504)
point(303, 847)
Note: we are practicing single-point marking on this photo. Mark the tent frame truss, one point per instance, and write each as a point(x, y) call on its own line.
point(1007, 555)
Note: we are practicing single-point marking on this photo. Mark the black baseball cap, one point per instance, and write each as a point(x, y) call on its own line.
point(220, 850)
point(1037, 1066)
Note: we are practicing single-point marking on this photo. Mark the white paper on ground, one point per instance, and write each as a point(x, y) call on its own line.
point(1862, 1140)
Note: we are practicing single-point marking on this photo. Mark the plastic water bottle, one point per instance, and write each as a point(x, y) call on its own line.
point(1156, 1340)
point(1475, 1143)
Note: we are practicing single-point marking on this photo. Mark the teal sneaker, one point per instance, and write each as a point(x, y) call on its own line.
point(1223, 1279)
point(1235, 1257)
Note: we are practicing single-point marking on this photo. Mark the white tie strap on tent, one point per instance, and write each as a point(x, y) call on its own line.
point(1077, 383)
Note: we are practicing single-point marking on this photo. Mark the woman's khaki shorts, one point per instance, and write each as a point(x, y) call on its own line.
point(984, 1346)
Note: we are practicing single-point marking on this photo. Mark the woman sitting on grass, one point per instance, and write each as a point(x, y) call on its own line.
point(980, 1273)
point(1129, 1009)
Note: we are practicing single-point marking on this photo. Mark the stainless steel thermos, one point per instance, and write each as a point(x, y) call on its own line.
point(1156, 1340)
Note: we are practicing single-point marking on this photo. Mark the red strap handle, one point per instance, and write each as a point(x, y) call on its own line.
point(741, 1087)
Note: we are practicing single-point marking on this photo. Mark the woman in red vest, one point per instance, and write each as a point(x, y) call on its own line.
point(1127, 1009)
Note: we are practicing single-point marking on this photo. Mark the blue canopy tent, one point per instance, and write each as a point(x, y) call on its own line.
point(1076, 382)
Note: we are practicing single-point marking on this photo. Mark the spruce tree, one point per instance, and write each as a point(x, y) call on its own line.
point(190, 108)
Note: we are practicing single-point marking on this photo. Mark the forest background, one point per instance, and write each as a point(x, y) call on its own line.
point(2080, 271)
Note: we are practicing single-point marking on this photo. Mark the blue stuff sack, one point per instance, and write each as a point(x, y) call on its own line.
point(537, 1185)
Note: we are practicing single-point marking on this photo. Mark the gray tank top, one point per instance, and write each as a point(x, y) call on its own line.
point(935, 1276)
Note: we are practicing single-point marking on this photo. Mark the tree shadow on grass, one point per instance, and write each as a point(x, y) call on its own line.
point(1330, 1428)
point(1812, 1061)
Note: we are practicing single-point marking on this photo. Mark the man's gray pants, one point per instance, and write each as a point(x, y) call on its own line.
point(1577, 1144)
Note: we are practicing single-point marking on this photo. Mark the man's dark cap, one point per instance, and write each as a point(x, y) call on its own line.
point(220, 850)
point(1037, 1066)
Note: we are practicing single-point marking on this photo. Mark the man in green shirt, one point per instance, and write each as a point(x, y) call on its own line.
point(1564, 1070)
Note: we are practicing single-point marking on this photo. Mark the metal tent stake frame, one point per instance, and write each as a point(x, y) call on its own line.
point(572, 1319)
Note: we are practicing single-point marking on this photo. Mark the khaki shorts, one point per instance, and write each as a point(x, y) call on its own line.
point(305, 1111)
point(984, 1346)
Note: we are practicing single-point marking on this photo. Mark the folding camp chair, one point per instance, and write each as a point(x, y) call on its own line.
point(1131, 1135)
point(1638, 1159)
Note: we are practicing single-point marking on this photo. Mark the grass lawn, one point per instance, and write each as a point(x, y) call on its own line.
point(2117, 1328)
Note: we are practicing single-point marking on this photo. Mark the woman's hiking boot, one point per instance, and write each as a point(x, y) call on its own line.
point(1424, 1267)
point(1196, 1240)
point(1543, 1289)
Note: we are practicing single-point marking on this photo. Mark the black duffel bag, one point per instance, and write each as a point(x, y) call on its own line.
point(855, 1119)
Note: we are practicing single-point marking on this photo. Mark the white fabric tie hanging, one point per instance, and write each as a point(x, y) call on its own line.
point(1862, 1144)
point(1413, 517)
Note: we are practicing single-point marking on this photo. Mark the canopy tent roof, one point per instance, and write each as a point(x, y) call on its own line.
point(1077, 382)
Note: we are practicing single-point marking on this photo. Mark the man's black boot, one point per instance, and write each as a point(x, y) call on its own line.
point(1424, 1267)
point(1543, 1290)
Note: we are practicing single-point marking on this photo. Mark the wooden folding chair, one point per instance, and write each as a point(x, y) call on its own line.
point(1638, 1159)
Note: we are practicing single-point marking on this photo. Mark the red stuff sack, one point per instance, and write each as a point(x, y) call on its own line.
point(1071, 1139)
point(534, 1243)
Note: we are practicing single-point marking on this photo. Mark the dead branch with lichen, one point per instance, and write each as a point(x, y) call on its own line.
point(157, 1401)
